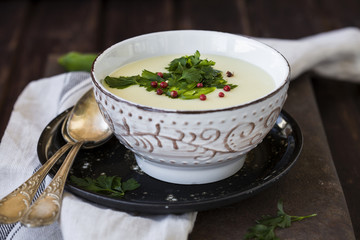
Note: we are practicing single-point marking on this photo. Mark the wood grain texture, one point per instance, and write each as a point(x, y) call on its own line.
point(50, 27)
point(208, 15)
point(328, 112)
point(125, 19)
point(281, 19)
point(339, 105)
point(13, 17)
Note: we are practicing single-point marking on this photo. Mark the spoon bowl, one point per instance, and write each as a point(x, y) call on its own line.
point(86, 113)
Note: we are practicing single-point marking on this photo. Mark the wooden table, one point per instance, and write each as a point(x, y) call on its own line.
point(325, 180)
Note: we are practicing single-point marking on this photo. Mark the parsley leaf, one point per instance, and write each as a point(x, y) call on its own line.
point(75, 61)
point(265, 227)
point(183, 76)
point(110, 185)
point(130, 185)
point(150, 76)
point(121, 82)
point(191, 75)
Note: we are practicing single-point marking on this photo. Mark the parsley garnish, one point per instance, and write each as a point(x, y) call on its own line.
point(265, 227)
point(111, 185)
point(183, 76)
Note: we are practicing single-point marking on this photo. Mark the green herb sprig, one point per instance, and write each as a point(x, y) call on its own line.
point(185, 73)
point(265, 227)
point(110, 185)
point(75, 61)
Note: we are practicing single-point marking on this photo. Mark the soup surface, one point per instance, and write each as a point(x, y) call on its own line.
point(252, 81)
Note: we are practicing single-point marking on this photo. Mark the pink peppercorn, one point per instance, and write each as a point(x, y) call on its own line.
point(227, 88)
point(174, 94)
point(159, 91)
point(221, 94)
point(154, 84)
point(163, 84)
point(160, 74)
point(199, 85)
point(202, 97)
point(229, 74)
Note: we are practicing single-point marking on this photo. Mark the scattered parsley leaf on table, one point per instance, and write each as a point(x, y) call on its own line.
point(110, 185)
point(75, 61)
point(265, 227)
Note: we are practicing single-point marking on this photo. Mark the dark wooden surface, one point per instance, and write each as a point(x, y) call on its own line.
point(326, 178)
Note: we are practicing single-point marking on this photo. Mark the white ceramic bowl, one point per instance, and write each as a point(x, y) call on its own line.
point(191, 147)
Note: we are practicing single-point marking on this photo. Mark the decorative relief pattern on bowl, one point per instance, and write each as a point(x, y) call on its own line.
point(175, 138)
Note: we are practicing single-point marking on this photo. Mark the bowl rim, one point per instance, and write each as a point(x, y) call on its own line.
point(98, 85)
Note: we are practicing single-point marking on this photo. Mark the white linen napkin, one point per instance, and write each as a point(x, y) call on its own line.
point(334, 54)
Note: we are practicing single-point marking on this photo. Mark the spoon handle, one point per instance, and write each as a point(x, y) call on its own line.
point(15, 204)
point(47, 207)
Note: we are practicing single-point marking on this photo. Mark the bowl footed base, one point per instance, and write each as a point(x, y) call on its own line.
point(190, 175)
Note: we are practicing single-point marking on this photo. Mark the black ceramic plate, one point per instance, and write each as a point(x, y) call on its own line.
point(265, 164)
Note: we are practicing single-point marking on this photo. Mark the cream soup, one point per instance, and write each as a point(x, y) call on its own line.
point(252, 81)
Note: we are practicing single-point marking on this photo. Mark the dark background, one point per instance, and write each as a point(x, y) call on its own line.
point(33, 31)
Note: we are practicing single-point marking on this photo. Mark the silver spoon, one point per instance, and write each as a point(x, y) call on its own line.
point(83, 127)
